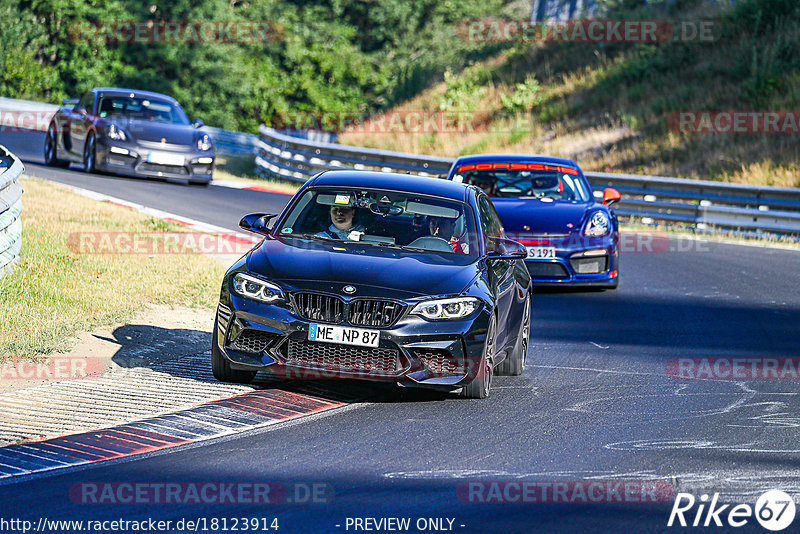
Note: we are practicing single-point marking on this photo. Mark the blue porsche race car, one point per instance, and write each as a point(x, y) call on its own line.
point(546, 204)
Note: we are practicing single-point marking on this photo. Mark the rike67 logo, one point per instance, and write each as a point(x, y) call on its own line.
point(774, 510)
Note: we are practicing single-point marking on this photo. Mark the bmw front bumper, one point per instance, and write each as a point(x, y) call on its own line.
point(412, 352)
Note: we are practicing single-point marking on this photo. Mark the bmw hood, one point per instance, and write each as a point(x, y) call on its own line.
point(173, 134)
point(373, 271)
point(540, 217)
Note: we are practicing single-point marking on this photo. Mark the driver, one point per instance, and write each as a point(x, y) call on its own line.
point(443, 228)
point(486, 183)
point(342, 226)
point(547, 185)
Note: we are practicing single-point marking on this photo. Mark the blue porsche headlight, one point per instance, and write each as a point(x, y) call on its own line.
point(256, 289)
point(204, 142)
point(598, 225)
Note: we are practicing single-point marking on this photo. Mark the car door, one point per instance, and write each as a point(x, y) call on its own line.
point(79, 121)
point(501, 272)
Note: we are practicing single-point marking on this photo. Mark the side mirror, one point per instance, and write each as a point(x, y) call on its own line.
point(198, 123)
point(256, 222)
point(505, 249)
point(611, 195)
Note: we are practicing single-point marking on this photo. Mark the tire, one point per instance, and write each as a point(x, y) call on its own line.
point(90, 154)
point(51, 148)
point(221, 367)
point(481, 385)
point(514, 365)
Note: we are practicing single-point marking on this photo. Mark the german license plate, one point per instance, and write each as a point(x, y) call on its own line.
point(164, 158)
point(541, 253)
point(344, 335)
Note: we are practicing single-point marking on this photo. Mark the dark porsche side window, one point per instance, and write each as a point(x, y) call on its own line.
point(86, 102)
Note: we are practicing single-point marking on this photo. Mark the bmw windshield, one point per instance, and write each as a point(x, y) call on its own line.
point(533, 181)
point(383, 219)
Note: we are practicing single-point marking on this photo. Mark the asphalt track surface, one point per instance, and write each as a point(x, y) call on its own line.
point(596, 403)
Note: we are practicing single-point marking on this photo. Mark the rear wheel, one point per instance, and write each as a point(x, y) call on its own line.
point(514, 365)
point(51, 148)
point(482, 383)
point(221, 367)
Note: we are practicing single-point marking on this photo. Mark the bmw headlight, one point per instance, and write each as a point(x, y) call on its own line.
point(254, 288)
point(115, 133)
point(444, 309)
point(204, 142)
point(598, 225)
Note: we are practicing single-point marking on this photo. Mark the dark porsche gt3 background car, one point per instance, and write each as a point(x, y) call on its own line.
point(546, 204)
point(382, 277)
point(130, 132)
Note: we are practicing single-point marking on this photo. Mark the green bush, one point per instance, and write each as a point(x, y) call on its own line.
point(526, 96)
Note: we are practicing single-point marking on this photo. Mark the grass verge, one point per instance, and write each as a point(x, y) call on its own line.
point(56, 292)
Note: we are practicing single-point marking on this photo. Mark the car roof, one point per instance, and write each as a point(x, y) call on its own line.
point(137, 92)
point(410, 183)
point(484, 158)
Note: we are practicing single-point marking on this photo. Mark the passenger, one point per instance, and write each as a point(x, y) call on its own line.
point(342, 225)
point(443, 227)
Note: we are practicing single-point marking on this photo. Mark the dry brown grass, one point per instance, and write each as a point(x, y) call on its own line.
point(598, 109)
point(55, 292)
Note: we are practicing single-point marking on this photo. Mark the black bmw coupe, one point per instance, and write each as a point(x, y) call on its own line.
point(130, 132)
point(377, 276)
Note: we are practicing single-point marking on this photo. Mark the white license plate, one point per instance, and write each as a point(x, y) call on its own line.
point(344, 335)
point(541, 253)
point(164, 158)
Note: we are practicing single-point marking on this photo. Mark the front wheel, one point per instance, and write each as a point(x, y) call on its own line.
point(482, 383)
point(514, 365)
point(221, 367)
point(90, 154)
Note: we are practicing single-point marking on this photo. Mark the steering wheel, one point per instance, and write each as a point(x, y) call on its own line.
point(430, 242)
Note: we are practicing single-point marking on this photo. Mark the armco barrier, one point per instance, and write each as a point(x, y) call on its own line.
point(10, 209)
point(702, 204)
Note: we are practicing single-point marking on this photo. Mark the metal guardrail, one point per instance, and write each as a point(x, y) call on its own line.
point(702, 204)
point(10, 209)
point(297, 159)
